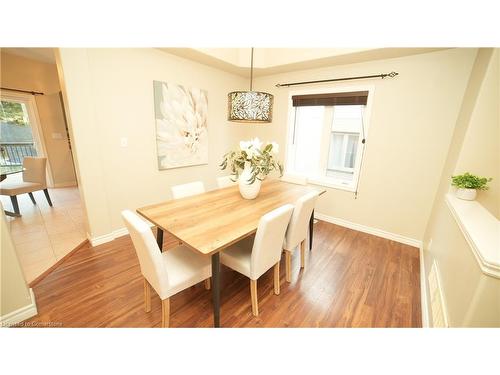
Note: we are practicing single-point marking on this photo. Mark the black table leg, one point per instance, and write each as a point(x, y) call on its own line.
point(159, 238)
point(216, 288)
point(311, 230)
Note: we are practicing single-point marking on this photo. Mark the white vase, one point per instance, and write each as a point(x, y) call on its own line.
point(248, 190)
point(466, 194)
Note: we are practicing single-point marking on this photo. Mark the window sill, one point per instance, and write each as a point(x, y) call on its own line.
point(330, 184)
point(481, 230)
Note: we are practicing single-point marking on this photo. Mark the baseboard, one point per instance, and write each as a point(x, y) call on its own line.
point(95, 241)
point(370, 230)
point(99, 240)
point(21, 314)
point(424, 302)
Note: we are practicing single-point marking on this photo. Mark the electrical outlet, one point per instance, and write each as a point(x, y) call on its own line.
point(124, 142)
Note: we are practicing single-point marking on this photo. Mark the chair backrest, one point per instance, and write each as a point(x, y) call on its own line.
point(225, 181)
point(148, 252)
point(268, 242)
point(34, 170)
point(294, 179)
point(299, 223)
point(186, 190)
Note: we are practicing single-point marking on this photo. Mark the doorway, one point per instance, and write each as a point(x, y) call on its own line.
point(33, 123)
point(21, 134)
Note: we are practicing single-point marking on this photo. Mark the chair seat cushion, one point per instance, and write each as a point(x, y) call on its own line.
point(185, 268)
point(16, 188)
point(238, 256)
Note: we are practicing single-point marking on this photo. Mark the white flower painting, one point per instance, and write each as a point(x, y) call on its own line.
point(181, 125)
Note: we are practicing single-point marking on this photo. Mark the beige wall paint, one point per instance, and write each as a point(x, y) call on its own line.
point(472, 298)
point(26, 74)
point(14, 292)
point(480, 153)
point(109, 95)
point(412, 120)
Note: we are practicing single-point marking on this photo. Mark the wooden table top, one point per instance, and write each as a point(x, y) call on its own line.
point(212, 221)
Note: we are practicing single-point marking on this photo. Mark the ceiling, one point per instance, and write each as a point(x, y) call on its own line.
point(266, 60)
point(45, 55)
point(281, 60)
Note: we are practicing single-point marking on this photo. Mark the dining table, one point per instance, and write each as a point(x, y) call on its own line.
point(210, 222)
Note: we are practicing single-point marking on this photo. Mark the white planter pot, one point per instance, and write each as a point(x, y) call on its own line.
point(247, 190)
point(466, 194)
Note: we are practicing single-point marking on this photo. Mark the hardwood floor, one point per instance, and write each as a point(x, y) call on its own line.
point(352, 279)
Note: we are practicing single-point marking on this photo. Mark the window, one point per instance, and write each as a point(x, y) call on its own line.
point(326, 137)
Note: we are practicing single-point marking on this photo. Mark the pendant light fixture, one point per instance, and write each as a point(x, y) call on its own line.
point(250, 106)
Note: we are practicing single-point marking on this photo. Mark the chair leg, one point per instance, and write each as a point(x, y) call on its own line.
point(277, 278)
point(147, 296)
point(253, 294)
point(288, 266)
point(165, 313)
point(303, 254)
point(46, 192)
point(15, 205)
point(32, 198)
point(207, 284)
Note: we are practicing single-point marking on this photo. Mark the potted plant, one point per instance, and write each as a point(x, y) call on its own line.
point(467, 185)
point(251, 164)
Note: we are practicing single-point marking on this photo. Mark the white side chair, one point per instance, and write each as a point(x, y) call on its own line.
point(33, 180)
point(225, 181)
point(298, 229)
point(169, 272)
point(294, 179)
point(253, 256)
point(186, 190)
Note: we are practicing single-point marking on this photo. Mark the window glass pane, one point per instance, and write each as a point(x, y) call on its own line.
point(335, 154)
point(352, 147)
point(308, 128)
point(347, 118)
point(348, 111)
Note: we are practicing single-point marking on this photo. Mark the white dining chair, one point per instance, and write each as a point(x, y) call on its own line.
point(253, 256)
point(33, 180)
point(187, 190)
point(294, 179)
point(298, 229)
point(226, 181)
point(167, 272)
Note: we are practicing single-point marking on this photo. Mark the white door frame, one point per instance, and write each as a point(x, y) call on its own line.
point(36, 128)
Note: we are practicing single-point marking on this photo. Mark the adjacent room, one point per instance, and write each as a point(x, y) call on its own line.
point(250, 187)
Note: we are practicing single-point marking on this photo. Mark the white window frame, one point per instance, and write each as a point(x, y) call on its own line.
point(36, 128)
point(319, 177)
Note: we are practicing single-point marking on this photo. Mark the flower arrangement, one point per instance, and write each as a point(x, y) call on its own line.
point(261, 160)
point(469, 181)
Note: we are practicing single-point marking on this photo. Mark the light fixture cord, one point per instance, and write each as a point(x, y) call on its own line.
point(251, 70)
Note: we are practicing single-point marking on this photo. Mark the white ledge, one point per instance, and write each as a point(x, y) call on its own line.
point(481, 230)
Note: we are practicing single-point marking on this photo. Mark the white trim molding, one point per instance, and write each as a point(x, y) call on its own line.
point(481, 231)
point(424, 302)
point(19, 315)
point(99, 240)
point(370, 230)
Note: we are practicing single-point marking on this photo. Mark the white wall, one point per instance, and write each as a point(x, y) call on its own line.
point(472, 298)
point(412, 120)
point(16, 302)
point(480, 153)
point(109, 94)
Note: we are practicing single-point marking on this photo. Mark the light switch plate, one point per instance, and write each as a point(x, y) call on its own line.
point(124, 142)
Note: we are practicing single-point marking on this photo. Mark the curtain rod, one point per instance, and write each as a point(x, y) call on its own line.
point(25, 91)
point(383, 75)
